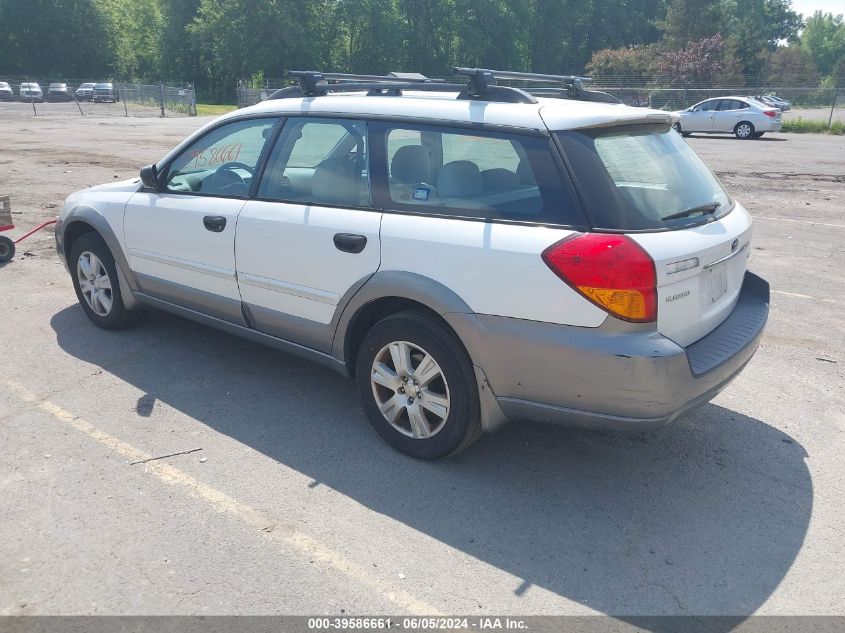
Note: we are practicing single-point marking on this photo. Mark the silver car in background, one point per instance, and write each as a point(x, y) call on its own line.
point(31, 91)
point(773, 101)
point(742, 116)
point(85, 92)
point(6, 91)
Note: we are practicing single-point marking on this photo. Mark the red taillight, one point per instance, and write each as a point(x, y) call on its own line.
point(612, 271)
point(771, 113)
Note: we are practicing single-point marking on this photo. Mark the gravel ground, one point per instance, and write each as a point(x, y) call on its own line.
point(294, 505)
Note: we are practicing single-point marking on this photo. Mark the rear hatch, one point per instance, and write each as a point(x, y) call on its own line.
point(699, 274)
point(644, 181)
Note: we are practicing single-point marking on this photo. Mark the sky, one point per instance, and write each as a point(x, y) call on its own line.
point(807, 7)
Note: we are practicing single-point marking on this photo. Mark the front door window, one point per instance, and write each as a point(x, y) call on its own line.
point(222, 162)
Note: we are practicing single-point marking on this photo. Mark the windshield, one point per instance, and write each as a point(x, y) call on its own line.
point(642, 177)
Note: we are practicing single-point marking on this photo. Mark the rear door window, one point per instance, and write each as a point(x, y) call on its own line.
point(476, 174)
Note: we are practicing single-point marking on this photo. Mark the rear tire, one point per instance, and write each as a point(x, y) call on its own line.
point(95, 281)
point(418, 386)
point(7, 249)
point(744, 130)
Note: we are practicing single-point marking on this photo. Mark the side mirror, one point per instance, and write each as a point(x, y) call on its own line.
point(149, 177)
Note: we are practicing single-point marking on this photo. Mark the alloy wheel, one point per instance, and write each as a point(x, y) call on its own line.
point(410, 389)
point(94, 282)
point(743, 130)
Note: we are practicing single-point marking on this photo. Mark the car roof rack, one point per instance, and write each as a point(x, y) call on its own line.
point(570, 86)
point(315, 83)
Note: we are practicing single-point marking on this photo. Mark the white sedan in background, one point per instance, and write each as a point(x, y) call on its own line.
point(742, 116)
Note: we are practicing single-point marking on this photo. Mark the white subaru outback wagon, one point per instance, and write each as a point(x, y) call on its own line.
point(469, 253)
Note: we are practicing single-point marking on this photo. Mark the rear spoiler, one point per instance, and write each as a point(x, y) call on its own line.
point(634, 118)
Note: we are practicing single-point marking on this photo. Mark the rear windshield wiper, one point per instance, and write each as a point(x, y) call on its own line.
point(710, 207)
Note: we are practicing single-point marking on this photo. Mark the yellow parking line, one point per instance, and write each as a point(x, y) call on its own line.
point(223, 503)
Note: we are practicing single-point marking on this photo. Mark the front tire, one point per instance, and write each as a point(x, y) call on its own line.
point(418, 386)
point(96, 284)
point(744, 130)
point(7, 249)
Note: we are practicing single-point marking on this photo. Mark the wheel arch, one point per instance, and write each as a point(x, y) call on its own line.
point(82, 220)
point(387, 293)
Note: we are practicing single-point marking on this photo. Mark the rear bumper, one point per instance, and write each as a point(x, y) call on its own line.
point(617, 376)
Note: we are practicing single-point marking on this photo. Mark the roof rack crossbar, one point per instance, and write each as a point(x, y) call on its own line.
point(371, 87)
point(481, 85)
point(579, 83)
point(314, 82)
point(391, 78)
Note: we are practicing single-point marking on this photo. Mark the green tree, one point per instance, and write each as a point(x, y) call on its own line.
point(179, 55)
point(236, 38)
point(492, 34)
point(368, 36)
point(135, 27)
point(824, 39)
point(62, 39)
point(792, 66)
point(633, 64)
point(688, 20)
point(429, 33)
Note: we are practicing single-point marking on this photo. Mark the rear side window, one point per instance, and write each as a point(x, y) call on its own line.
point(462, 173)
point(642, 178)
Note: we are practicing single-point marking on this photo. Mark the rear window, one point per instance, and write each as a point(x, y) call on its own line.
point(636, 178)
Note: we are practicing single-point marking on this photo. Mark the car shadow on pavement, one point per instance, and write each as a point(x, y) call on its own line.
point(703, 517)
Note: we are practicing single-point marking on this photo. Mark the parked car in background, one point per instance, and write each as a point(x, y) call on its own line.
point(6, 91)
point(59, 91)
point(775, 102)
point(744, 117)
point(31, 91)
point(104, 93)
point(85, 92)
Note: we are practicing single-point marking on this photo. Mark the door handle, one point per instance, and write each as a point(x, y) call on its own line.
point(350, 242)
point(215, 223)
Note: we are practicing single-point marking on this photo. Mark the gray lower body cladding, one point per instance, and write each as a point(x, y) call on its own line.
point(620, 375)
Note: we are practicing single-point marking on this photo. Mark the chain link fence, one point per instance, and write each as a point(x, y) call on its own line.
point(63, 97)
point(249, 95)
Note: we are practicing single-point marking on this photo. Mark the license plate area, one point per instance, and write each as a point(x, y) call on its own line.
point(717, 281)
